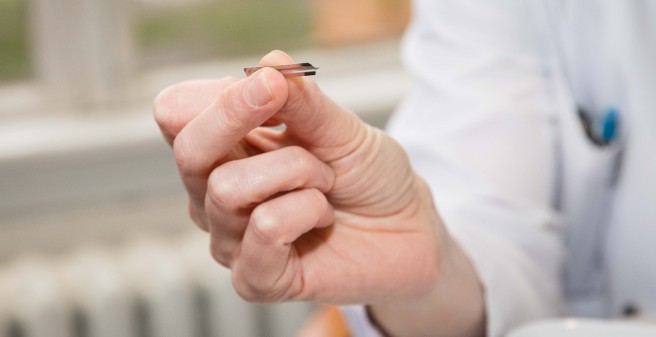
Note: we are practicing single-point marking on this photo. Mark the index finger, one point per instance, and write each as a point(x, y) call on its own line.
point(178, 104)
point(241, 107)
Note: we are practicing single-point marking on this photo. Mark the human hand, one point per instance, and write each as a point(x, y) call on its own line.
point(327, 210)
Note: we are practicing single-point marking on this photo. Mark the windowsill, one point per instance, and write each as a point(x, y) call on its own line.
point(71, 177)
point(367, 79)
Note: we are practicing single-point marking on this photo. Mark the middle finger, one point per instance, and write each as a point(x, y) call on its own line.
point(237, 187)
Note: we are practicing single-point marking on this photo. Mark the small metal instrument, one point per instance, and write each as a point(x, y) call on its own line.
point(289, 70)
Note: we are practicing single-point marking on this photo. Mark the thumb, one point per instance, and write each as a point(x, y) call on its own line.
point(313, 120)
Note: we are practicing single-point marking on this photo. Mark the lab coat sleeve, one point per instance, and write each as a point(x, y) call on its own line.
point(358, 321)
point(479, 127)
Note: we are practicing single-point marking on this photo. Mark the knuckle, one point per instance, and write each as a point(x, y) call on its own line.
point(301, 159)
point(220, 254)
point(197, 216)
point(244, 290)
point(318, 199)
point(252, 292)
point(310, 169)
point(165, 106)
point(266, 223)
point(303, 164)
point(223, 190)
point(162, 104)
point(183, 157)
point(297, 151)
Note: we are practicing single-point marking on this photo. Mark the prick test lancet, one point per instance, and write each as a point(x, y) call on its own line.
point(289, 70)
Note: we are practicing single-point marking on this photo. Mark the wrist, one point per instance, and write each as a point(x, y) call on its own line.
point(454, 306)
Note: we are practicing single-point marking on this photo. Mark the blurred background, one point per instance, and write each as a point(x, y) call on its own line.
point(94, 234)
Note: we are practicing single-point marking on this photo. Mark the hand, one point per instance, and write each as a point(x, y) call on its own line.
point(327, 210)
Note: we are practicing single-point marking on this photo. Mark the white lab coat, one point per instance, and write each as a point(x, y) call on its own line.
point(553, 224)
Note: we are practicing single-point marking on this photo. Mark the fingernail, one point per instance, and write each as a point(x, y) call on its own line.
point(258, 92)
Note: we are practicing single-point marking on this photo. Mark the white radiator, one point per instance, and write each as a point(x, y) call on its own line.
point(147, 289)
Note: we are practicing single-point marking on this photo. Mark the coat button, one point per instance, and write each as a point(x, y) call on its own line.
point(630, 310)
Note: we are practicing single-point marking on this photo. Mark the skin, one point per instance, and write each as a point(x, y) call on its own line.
point(328, 210)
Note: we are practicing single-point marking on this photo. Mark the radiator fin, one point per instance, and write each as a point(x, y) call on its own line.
point(147, 288)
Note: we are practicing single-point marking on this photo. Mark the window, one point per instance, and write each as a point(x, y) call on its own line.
point(178, 31)
point(85, 55)
point(14, 56)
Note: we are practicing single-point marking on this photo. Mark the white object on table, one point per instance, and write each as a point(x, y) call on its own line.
point(584, 328)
